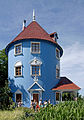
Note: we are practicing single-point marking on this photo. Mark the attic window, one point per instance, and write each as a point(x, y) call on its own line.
point(35, 47)
point(18, 49)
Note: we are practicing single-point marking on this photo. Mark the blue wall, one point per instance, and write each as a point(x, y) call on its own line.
point(48, 69)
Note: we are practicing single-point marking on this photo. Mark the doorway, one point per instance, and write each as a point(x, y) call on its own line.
point(36, 97)
point(18, 97)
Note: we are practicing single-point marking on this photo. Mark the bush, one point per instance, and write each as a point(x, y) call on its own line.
point(69, 110)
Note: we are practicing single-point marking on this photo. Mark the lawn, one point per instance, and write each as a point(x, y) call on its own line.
point(16, 114)
point(11, 115)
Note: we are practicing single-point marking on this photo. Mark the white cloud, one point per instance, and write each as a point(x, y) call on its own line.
point(72, 64)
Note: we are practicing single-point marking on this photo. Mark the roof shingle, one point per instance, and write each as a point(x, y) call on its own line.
point(32, 31)
point(65, 83)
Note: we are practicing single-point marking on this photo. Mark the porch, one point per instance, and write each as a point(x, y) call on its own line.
point(65, 90)
point(65, 95)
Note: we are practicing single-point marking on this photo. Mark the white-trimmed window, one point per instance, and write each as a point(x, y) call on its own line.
point(18, 49)
point(57, 72)
point(36, 67)
point(18, 69)
point(35, 47)
point(57, 53)
point(18, 96)
point(35, 70)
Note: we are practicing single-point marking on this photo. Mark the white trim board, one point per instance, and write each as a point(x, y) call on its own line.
point(34, 84)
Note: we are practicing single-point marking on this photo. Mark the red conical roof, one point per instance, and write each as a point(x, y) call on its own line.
point(34, 31)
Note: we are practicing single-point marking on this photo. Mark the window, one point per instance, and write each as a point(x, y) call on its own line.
point(35, 47)
point(35, 67)
point(18, 96)
point(57, 96)
point(18, 49)
point(18, 69)
point(57, 53)
point(57, 72)
point(35, 70)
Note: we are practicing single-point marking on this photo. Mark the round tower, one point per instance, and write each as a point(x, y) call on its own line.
point(34, 64)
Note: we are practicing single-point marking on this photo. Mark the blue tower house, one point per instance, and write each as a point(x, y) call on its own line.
point(34, 64)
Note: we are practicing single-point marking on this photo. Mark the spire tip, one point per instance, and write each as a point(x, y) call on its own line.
point(33, 15)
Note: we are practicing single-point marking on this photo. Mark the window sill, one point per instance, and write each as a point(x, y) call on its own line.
point(18, 54)
point(57, 77)
point(35, 52)
point(18, 76)
point(35, 75)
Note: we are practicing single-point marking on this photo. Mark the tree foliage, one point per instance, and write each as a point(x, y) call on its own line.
point(5, 94)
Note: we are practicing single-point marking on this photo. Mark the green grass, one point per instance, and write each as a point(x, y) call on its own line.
point(69, 110)
point(11, 115)
point(16, 114)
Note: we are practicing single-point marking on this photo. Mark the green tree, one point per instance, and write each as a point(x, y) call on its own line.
point(5, 93)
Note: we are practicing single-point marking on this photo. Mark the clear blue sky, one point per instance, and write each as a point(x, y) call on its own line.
point(66, 17)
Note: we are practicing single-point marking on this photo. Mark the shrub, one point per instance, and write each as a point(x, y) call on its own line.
point(69, 110)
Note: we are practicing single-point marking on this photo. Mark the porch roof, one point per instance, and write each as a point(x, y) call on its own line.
point(65, 84)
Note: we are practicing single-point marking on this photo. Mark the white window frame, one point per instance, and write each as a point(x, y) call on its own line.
point(57, 67)
point(39, 70)
point(35, 61)
point(56, 53)
point(39, 48)
point(19, 64)
point(15, 49)
point(19, 92)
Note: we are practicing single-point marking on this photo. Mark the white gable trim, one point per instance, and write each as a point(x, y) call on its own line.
point(35, 61)
point(33, 85)
point(18, 63)
point(18, 91)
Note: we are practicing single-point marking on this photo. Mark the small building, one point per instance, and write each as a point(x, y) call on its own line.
point(34, 66)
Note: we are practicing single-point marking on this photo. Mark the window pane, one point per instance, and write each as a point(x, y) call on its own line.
point(35, 47)
point(35, 70)
point(57, 96)
point(17, 49)
point(18, 70)
point(57, 73)
point(57, 53)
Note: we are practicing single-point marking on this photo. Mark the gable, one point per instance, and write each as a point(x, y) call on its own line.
point(35, 61)
point(18, 91)
point(35, 86)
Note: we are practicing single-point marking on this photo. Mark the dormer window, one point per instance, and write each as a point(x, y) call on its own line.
point(18, 49)
point(57, 53)
point(35, 47)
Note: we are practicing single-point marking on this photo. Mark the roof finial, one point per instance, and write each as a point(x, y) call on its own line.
point(33, 15)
